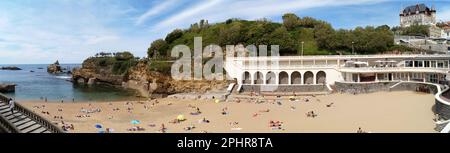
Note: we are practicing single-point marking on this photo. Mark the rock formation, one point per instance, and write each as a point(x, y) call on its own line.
point(54, 68)
point(148, 83)
point(7, 88)
point(14, 68)
point(91, 72)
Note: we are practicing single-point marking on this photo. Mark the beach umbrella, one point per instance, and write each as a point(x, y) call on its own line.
point(217, 101)
point(135, 122)
point(98, 126)
point(180, 118)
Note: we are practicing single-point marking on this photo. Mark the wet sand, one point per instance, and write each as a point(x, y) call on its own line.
point(402, 112)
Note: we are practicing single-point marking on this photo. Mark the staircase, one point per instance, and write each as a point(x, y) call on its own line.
point(23, 120)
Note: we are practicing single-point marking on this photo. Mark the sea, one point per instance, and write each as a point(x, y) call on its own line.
point(34, 83)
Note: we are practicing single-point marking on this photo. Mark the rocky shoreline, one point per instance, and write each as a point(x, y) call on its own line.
point(140, 78)
point(7, 88)
point(12, 68)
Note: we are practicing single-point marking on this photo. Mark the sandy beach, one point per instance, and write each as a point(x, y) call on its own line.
point(342, 113)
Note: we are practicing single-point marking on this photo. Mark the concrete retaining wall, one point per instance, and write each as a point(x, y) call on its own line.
point(284, 88)
point(357, 88)
point(416, 86)
point(442, 106)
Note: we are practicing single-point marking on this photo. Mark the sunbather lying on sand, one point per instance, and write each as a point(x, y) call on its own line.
point(265, 111)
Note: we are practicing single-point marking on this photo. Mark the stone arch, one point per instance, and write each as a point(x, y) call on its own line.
point(296, 78)
point(283, 77)
point(247, 78)
point(259, 78)
point(271, 78)
point(309, 77)
point(321, 77)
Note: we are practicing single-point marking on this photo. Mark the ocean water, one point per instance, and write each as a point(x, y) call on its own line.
point(34, 86)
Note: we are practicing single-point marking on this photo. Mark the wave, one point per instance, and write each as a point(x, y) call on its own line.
point(64, 77)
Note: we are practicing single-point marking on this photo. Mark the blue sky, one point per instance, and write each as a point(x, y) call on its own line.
point(43, 31)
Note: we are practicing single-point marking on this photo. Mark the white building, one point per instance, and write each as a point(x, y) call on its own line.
point(310, 70)
point(417, 14)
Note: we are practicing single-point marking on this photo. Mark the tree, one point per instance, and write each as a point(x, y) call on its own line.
point(383, 28)
point(282, 38)
point(323, 33)
point(230, 35)
point(158, 46)
point(177, 33)
point(123, 56)
point(307, 22)
point(290, 21)
point(416, 30)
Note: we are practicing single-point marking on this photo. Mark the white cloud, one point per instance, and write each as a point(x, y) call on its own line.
point(62, 31)
point(155, 10)
point(219, 10)
point(93, 40)
point(190, 12)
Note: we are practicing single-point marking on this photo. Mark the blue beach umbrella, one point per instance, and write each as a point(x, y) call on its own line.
point(135, 122)
point(98, 126)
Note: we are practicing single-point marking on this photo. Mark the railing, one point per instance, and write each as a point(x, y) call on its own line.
point(33, 116)
point(7, 126)
point(4, 123)
point(395, 69)
point(446, 95)
point(342, 57)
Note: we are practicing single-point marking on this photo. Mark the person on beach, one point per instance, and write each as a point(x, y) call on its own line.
point(11, 105)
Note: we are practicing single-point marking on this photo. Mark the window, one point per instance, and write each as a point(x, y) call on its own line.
point(433, 63)
point(427, 63)
point(440, 64)
point(408, 64)
point(419, 64)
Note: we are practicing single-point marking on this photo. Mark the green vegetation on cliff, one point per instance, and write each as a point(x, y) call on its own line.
point(117, 63)
point(318, 37)
point(413, 30)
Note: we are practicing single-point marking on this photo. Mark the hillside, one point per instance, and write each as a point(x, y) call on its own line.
point(319, 37)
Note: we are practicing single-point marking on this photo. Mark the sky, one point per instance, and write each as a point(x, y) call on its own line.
point(43, 31)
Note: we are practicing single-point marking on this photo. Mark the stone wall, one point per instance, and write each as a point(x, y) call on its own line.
point(284, 88)
point(443, 109)
point(415, 86)
point(357, 88)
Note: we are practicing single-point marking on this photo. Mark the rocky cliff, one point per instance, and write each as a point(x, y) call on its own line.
point(152, 83)
point(149, 83)
point(93, 72)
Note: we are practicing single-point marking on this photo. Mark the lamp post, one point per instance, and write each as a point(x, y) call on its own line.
point(302, 47)
point(353, 48)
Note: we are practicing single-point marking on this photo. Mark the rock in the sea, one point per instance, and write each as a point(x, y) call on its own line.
point(7, 88)
point(14, 68)
point(54, 68)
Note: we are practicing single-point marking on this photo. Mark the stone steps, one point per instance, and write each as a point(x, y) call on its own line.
point(21, 121)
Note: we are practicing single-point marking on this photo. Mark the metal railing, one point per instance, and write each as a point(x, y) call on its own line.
point(30, 114)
